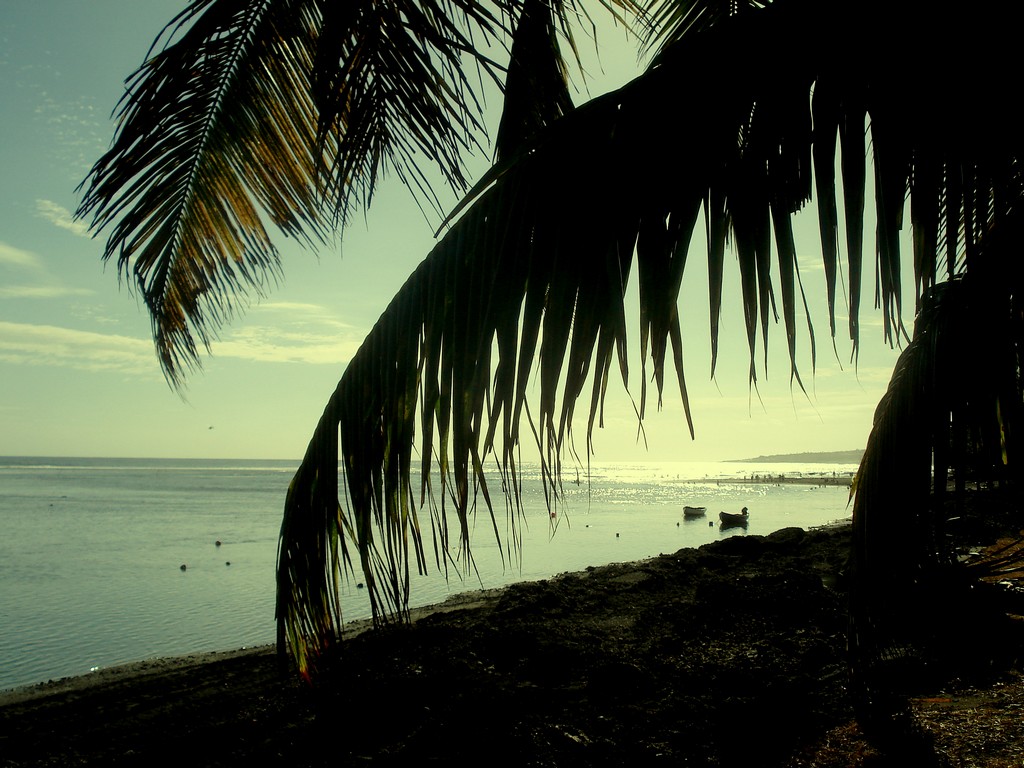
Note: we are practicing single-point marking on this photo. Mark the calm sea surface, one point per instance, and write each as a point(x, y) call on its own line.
point(91, 549)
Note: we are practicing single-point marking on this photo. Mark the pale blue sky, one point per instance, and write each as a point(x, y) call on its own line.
point(78, 375)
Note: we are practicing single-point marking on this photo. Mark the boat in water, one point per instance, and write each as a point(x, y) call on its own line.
point(694, 511)
point(734, 519)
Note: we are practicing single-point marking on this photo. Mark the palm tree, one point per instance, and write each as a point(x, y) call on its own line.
point(288, 110)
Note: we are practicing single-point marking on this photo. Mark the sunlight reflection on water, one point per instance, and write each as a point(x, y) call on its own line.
point(91, 555)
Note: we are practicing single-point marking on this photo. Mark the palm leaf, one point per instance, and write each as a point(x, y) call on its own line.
point(537, 262)
point(394, 80)
point(669, 21)
point(266, 110)
point(216, 133)
point(958, 376)
point(536, 87)
point(286, 113)
point(536, 267)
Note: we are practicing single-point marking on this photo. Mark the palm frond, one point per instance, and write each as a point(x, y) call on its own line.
point(216, 134)
point(669, 21)
point(286, 113)
point(958, 381)
point(536, 268)
point(536, 88)
point(267, 110)
point(395, 81)
point(537, 263)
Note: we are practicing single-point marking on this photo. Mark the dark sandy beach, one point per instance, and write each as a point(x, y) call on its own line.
point(730, 654)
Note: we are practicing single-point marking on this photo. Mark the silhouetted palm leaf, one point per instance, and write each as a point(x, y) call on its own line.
point(959, 376)
point(286, 112)
point(216, 132)
point(671, 20)
point(538, 262)
point(289, 109)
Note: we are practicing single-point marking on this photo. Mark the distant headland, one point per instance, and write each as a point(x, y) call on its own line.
point(827, 457)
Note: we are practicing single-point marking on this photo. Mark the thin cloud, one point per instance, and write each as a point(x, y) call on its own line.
point(331, 343)
point(43, 287)
point(27, 344)
point(268, 344)
point(293, 307)
point(292, 332)
point(41, 292)
point(61, 217)
point(9, 255)
point(301, 316)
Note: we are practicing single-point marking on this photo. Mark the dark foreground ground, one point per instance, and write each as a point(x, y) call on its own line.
point(727, 655)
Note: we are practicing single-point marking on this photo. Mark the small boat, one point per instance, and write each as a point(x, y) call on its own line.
point(733, 519)
point(694, 511)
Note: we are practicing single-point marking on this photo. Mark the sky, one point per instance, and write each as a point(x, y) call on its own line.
point(78, 373)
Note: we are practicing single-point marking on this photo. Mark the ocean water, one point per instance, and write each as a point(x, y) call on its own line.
point(91, 549)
